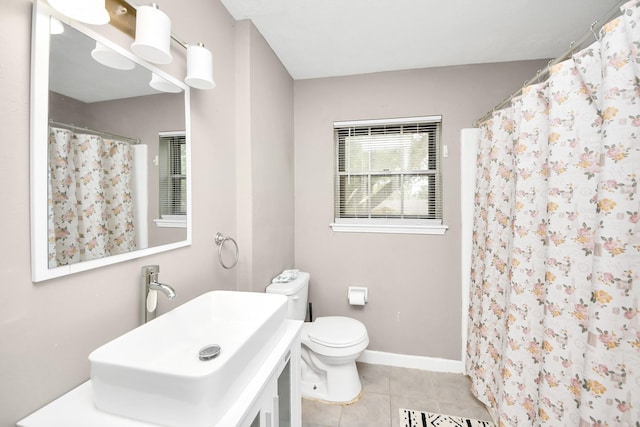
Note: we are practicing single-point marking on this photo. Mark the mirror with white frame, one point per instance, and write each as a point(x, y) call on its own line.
point(110, 154)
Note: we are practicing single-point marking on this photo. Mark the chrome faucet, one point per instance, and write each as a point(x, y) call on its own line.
point(150, 287)
point(167, 290)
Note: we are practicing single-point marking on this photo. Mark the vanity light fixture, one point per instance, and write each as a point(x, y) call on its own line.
point(107, 56)
point(153, 35)
point(199, 67)
point(163, 85)
point(152, 42)
point(88, 11)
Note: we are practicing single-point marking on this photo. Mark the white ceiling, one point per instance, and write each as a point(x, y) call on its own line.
point(322, 38)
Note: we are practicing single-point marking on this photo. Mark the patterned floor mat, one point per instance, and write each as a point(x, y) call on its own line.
point(412, 418)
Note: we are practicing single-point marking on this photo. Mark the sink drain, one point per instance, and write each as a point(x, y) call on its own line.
point(209, 352)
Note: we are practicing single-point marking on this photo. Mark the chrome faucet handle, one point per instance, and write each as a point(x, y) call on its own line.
point(150, 273)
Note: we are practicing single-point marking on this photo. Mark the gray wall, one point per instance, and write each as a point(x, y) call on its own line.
point(414, 280)
point(264, 124)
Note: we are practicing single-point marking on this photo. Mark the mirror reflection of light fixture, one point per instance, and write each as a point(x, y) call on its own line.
point(111, 58)
point(199, 67)
point(159, 83)
point(153, 35)
point(87, 11)
point(152, 40)
point(55, 26)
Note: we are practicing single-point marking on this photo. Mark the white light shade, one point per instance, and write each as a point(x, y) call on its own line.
point(55, 26)
point(153, 35)
point(111, 58)
point(87, 11)
point(199, 67)
point(163, 85)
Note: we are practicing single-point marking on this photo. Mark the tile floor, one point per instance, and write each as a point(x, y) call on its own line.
point(386, 389)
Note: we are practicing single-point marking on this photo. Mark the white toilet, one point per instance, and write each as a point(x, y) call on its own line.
point(330, 347)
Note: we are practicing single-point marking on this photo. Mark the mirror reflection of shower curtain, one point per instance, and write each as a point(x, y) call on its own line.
point(90, 197)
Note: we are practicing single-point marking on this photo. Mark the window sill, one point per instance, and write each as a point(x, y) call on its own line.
point(389, 229)
point(172, 221)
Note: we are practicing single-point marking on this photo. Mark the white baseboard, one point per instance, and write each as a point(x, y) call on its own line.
point(415, 362)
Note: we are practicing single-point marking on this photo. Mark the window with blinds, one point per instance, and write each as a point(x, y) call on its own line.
point(173, 176)
point(388, 173)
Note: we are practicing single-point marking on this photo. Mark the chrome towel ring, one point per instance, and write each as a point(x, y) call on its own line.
point(220, 239)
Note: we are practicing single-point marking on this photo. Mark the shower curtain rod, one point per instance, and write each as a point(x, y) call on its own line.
point(97, 132)
point(592, 33)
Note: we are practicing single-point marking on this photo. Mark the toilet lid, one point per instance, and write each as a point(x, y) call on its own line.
point(337, 331)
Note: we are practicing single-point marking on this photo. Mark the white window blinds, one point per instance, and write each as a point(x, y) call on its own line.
point(388, 171)
point(173, 174)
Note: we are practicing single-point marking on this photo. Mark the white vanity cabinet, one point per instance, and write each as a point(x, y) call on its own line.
point(270, 399)
point(278, 405)
point(275, 407)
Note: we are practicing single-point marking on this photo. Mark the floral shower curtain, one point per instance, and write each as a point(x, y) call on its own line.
point(554, 326)
point(90, 202)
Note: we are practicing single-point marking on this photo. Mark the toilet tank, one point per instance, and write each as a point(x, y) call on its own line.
point(297, 291)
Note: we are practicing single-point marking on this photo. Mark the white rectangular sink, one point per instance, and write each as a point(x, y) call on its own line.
point(154, 374)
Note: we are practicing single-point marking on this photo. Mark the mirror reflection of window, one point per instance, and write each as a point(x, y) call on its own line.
point(173, 179)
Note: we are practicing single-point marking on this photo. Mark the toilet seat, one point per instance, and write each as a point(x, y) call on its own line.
point(337, 332)
point(334, 333)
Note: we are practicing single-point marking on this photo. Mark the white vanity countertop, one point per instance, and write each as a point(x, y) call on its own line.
point(76, 408)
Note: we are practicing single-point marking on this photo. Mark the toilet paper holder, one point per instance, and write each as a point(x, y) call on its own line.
point(358, 295)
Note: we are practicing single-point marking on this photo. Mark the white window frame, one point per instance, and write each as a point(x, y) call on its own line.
point(389, 225)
